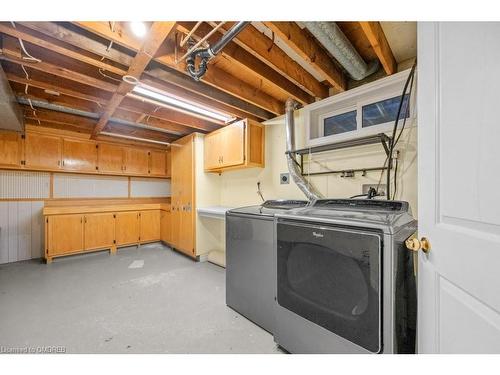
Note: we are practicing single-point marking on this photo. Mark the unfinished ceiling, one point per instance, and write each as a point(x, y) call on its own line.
point(69, 76)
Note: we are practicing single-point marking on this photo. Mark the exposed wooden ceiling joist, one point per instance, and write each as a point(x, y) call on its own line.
point(214, 76)
point(264, 48)
point(252, 65)
point(176, 82)
point(310, 50)
point(162, 118)
point(378, 41)
point(155, 37)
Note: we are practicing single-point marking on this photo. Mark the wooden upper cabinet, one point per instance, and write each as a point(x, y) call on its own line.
point(158, 163)
point(10, 148)
point(212, 150)
point(136, 161)
point(42, 151)
point(110, 158)
point(233, 141)
point(168, 166)
point(79, 155)
point(239, 145)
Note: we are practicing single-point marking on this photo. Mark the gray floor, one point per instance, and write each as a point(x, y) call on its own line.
point(95, 303)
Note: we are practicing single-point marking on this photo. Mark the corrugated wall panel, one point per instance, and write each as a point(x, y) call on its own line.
point(24, 185)
point(85, 186)
point(4, 232)
point(149, 187)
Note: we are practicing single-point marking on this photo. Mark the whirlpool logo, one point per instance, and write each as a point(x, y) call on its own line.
point(318, 235)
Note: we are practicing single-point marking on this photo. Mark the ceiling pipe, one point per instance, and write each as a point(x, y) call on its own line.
point(335, 42)
point(92, 115)
point(305, 186)
point(206, 54)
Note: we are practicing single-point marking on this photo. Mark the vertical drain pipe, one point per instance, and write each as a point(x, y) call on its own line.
point(309, 191)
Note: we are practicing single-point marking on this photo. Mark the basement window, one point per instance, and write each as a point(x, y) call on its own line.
point(341, 123)
point(363, 111)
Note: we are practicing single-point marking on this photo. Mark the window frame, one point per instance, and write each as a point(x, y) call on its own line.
point(355, 99)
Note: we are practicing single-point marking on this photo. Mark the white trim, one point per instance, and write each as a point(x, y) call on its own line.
point(355, 99)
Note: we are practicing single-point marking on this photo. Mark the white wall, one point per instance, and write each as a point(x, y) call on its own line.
point(239, 187)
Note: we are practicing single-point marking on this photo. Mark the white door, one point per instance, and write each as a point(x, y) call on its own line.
point(459, 187)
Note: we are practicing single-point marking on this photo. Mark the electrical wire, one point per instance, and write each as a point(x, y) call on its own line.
point(27, 56)
point(395, 179)
point(394, 130)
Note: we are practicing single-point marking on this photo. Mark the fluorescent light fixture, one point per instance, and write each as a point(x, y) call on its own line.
point(181, 105)
point(138, 28)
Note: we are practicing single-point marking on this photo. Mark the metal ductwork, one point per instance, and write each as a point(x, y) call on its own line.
point(309, 191)
point(335, 42)
point(206, 54)
point(11, 116)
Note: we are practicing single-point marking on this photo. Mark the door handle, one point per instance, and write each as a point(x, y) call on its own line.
point(414, 244)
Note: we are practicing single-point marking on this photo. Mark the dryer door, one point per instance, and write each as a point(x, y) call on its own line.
point(332, 277)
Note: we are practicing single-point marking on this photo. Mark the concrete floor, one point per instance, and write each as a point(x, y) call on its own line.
point(95, 303)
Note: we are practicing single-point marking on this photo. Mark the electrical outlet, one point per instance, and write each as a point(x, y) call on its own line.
point(284, 178)
point(382, 188)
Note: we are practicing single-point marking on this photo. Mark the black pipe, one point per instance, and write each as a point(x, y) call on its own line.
point(205, 54)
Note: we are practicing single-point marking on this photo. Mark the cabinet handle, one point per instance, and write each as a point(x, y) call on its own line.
point(58, 163)
point(63, 163)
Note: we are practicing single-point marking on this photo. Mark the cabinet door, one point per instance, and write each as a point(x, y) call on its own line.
point(233, 144)
point(43, 151)
point(158, 161)
point(165, 226)
point(212, 151)
point(79, 155)
point(127, 228)
point(168, 166)
point(136, 161)
point(10, 148)
point(150, 225)
point(65, 234)
point(110, 158)
point(99, 231)
point(183, 224)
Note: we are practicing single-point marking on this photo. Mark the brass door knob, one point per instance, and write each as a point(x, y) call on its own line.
point(414, 244)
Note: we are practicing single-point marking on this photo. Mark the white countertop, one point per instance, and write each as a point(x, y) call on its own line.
point(216, 212)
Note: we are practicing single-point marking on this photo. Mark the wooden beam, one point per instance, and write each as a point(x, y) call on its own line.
point(264, 48)
point(56, 46)
point(162, 118)
point(214, 75)
point(10, 55)
point(376, 36)
point(157, 34)
point(250, 64)
point(166, 79)
point(310, 50)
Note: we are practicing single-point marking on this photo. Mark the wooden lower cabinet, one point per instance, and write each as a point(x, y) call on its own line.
point(127, 228)
point(165, 226)
point(99, 231)
point(65, 234)
point(149, 226)
point(69, 233)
